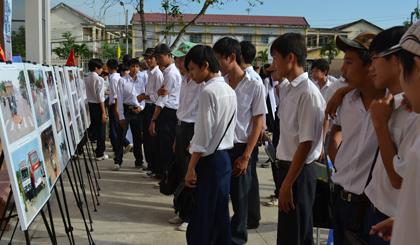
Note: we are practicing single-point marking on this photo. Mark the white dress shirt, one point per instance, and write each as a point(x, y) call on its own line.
point(143, 76)
point(95, 90)
point(172, 80)
point(128, 89)
point(250, 96)
point(407, 218)
point(113, 87)
point(357, 151)
point(215, 109)
point(380, 190)
point(253, 73)
point(302, 108)
point(188, 100)
point(324, 89)
point(270, 91)
point(334, 87)
point(154, 82)
point(280, 86)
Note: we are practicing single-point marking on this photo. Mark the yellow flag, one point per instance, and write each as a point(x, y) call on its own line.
point(119, 51)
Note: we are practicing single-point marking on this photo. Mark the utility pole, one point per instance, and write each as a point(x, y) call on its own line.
point(126, 32)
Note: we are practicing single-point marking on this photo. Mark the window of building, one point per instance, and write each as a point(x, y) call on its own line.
point(323, 40)
point(196, 38)
point(248, 38)
point(308, 41)
point(313, 40)
point(264, 39)
point(85, 37)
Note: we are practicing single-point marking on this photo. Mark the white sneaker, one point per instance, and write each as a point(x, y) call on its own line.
point(116, 167)
point(148, 175)
point(156, 186)
point(143, 170)
point(175, 220)
point(128, 148)
point(183, 226)
point(102, 158)
point(274, 202)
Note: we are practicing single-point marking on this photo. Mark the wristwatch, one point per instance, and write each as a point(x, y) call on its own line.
point(153, 120)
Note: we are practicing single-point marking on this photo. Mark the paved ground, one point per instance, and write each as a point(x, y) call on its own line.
point(131, 211)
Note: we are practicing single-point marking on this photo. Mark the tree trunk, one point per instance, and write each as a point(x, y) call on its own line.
point(193, 22)
point(143, 25)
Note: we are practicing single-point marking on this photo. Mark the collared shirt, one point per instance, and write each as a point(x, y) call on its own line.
point(128, 89)
point(324, 89)
point(250, 100)
point(154, 82)
point(270, 92)
point(380, 190)
point(407, 218)
point(172, 80)
point(188, 100)
point(334, 87)
point(113, 87)
point(253, 73)
point(143, 76)
point(95, 92)
point(302, 108)
point(357, 151)
point(215, 109)
point(280, 87)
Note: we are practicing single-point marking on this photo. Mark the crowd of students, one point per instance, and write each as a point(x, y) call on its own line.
point(210, 111)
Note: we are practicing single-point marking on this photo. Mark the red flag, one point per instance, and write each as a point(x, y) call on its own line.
point(2, 56)
point(70, 60)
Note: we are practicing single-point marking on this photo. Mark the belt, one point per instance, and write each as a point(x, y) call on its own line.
point(348, 196)
point(280, 164)
point(130, 107)
point(184, 124)
point(377, 212)
point(239, 146)
point(150, 104)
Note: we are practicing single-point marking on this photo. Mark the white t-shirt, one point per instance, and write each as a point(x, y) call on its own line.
point(188, 100)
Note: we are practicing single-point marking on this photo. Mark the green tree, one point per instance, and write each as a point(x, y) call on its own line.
point(329, 49)
point(18, 42)
point(415, 15)
point(63, 51)
point(109, 52)
point(81, 50)
point(263, 55)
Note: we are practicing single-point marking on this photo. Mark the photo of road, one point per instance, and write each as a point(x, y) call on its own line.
point(57, 118)
point(50, 155)
point(39, 96)
point(15, 105)
point(51, 86)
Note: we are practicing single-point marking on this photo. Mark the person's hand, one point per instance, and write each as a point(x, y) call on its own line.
point(173, 147)
point(264, 138)
point(285, 201)
point(141, 97)
point(152, 129)
point(333, 104)
point(322, 155)
point(117, 114)
point(104, 117)
point(122, 123)
point(407, 104)
point(191, 178)
point(381, 110)
point(163, 91)
point(136, 109)
point(188, 148)
point(240, 165)
point(384, 229)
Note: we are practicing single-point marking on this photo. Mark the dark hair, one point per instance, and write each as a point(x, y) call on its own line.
point(227, 46)
point(363, 54)
point(133, 61)
point(95, 63)
point(255, 67)
point(294, 43)
point(122, 67)
point(144, 65)
point(387, 39)
point(248, 51)
point(201, 53)
point(126, 58)
point(262, 72)
point(322, 65)
point(112, 64)
point(407, 62)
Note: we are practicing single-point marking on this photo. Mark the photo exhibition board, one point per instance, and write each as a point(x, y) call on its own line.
point(69, 73)
point(80, 100)
point(58, 123)
point(84, 103)
point(21, 139)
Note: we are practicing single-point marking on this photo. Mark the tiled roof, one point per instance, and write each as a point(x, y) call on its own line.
point(75, 10)
point(232, 19)
point(355, 22)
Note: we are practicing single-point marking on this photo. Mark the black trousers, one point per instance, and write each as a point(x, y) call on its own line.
point(162, 143)
point(183, 136)
point(98, 126)
point(254, 207)
point(275, 141)
point(134, 120)
point(296, 227)
point(146, 117)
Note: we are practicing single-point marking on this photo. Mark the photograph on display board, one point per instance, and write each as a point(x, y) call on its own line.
point(75, 105)
point(15, 105)
point(50, 155)
point(51, 85)
point(72, 83)
point(39, 96)
point(78, 87)
point(82, 115)
point(82, 83)
point(63, 83)
point(65, 153)
point(57, 117)
point(79, 127)
point(73, 138)
point(87, 112)
point(31, 180)
point(68, 109)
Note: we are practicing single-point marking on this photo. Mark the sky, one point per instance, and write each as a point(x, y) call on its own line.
point(318, 13)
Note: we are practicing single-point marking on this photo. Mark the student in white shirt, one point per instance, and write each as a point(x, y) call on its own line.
point(251, 108)
point(353, 160)
point(154, 82)
point(301, 119)
point(96, 97)
point(210, 220)
point(129, 87)
point(163, 123)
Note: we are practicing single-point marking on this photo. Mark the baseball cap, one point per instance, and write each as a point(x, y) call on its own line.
point(409, 42)
point(271, 68)
point(161, 48)
point(361, 41)
point(149, 51)
point(183, 49)
point(105, 69)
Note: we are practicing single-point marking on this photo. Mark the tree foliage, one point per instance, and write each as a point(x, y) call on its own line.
point(63, 51)
point(329, 49)
point(415, 16)
point(18, 42)
point(263, 55)
point(109, 52)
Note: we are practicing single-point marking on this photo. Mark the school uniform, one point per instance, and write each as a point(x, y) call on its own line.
point(333, 88)
point(353, 161)
point(210, 220)
point(406, 164)
point(324, 89)
point(302, 115)
point(165, 126)
point(95, 95)
point(128, 90)
point(253, 74)
point(154, 82)
point(250, 102)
